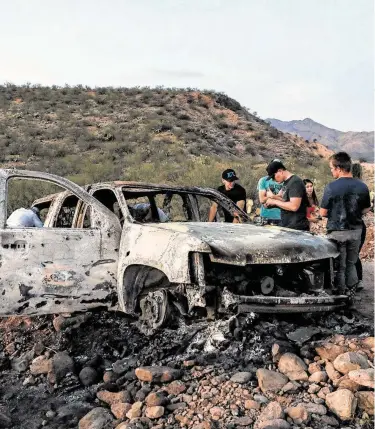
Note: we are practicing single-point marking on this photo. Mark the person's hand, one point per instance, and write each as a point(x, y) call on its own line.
point(236, 218)
point(270, 194)
point(270, 202)
point(280, 193)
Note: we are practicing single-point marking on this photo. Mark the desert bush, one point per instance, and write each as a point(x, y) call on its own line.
point(259, 136)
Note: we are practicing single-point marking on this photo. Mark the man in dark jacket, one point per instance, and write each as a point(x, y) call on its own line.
point(344, 202)
point(292, 201)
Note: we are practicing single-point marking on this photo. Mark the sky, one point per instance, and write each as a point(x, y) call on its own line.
point(284, 59)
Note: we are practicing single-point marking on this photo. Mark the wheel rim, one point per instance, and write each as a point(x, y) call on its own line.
point(154, 309)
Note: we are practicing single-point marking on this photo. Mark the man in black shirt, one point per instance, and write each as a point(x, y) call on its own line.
point(233, 191)
point(344, 202)
point(293, 202)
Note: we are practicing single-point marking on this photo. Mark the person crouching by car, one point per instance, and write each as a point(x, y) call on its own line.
point(293, 201)
point(233, 191)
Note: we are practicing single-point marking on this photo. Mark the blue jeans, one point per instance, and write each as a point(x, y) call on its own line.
point(348, 243)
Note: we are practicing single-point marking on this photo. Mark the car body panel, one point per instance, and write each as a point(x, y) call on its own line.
point(64, 269)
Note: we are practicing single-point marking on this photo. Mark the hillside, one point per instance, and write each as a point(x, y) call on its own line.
point(359, 144)
point(157, 135)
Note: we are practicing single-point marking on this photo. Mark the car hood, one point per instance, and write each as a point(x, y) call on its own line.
point(250, 244)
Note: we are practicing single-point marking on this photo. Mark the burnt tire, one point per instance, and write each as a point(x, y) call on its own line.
point(155, 309)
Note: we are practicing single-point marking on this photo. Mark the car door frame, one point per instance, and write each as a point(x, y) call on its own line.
point(106, 227)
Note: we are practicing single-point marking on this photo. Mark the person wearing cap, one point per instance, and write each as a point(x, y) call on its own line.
point(25, 218)
point(233, 191)
point(293, 202)
point(269, 188)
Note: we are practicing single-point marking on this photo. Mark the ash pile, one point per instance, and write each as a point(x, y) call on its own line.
point(97, 371)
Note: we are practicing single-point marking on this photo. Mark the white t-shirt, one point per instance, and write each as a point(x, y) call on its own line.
point(23, 218)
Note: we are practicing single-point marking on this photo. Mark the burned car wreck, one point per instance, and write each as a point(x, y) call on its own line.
point(148, 250)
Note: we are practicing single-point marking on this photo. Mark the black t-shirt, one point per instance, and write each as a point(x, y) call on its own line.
point(345, 198)
point(295, 188)
point(237, 193)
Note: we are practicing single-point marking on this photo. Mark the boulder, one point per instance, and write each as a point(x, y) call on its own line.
point(274, 424)
point(315, 408)
point(366, 401)
point(155, 399)
point(61, 365)
point(313, 388)
point(176, 387)
point(272, 411)
point(124, 365)
point(40, 365)
point(318, 377)
point(279, 348)
point(323, 392)
point(346, 383)
point(241, 377)
point(154, 412)
point(252, 405)
point(111, 398)
point(350, 361)
point(120, 409)
point(343, 403)
point(217, 413)
point(88, 376)
point(330, 351)
point(291, 386)
point(329, 421)
point(293, 367)
point(314, 367)
point(242, 421)
point(364, 377)
point(271, 381)
point(299, 414)
point(369, 342)
point(135, 410)
point(157, 374)
point(333, 375)
point(98, 418)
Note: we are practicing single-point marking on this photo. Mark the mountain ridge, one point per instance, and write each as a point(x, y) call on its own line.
point(360, 144)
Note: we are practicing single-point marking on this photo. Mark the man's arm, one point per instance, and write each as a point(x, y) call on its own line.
point(292, 206)
point(262, 196)
point(324, 205)
point(212, 213)
point(241, 205)
point(278, 196)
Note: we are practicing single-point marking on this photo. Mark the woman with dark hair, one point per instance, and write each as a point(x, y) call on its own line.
point(313, 201)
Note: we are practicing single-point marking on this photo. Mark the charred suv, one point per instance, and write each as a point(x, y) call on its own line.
point(148, 249)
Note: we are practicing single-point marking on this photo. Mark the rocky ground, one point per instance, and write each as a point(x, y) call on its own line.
point(97, 371)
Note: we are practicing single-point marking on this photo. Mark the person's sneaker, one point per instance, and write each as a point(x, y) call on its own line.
point(351, 291)
point(359, 286)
